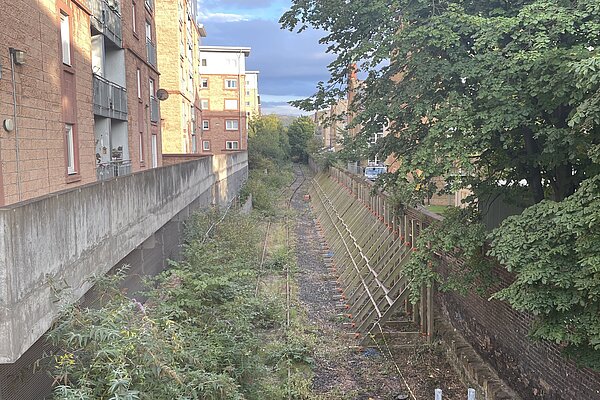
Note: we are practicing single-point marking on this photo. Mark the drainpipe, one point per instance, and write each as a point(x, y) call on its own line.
point(14, 93)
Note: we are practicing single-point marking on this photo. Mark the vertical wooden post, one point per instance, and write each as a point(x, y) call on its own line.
point(430, 312)
point(471, 394)
point(438, 394)
point(422, 309)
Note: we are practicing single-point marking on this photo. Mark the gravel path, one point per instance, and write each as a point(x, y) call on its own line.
point(341, 370)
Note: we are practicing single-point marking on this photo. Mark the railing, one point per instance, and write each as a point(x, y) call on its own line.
point(149, 4)
point(153, 109)
point(113, 169)
point(107, 19)
point(110, 99)
point(151, 53)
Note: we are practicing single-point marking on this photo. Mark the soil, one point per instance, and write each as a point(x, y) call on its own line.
point(342, 369)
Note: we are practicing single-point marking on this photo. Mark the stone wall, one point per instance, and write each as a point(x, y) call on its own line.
point(72, 235)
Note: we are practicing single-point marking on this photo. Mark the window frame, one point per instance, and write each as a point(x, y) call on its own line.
point(71, 157)
point(202, 82)
point(66, 57)
point(235, 84)
point(207, 104)
point(206, 145)
point(237, 123)
point(232, 147)
point(205, 125)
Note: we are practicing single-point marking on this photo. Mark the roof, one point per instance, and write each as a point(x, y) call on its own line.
point(225, 49)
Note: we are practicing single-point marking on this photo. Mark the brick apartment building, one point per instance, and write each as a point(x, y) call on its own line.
point(223, 98)
point(179, 37)
point(77, 93)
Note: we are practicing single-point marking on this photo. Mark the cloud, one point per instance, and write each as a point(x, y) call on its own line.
point(237, 3)
point(290, 64)
point(222, 17)
point(281, 109)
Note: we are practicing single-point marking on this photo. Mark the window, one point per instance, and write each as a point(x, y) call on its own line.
point(71, 169)
point(138, 75)
point(230, 83)
point(194, 144)
point(233, 145)
point(141, 144)
point(205, 125)
point(151, 84)
point(247, 93)
point(204, 104)
point(206, 145)
point(65, 37)
point(204, 63)
point(148, 32)
point(204, 83)
point(232, 124)
point(134, 17)
point(248, 104)
point(231, 104)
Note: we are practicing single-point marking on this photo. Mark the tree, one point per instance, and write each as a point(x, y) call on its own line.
point(268, 144)
point(300, 133)
point(493, 96)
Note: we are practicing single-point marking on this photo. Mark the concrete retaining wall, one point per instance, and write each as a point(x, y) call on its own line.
point(68, 237)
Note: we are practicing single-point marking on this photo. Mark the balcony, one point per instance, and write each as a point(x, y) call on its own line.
point(151, 53)
point(110, 99)
point(113, 169)
point(106, 19)
point(153, 109)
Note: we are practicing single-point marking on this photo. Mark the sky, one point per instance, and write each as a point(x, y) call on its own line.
point(290, 64)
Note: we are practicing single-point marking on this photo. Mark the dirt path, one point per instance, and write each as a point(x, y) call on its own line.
point(342, 371)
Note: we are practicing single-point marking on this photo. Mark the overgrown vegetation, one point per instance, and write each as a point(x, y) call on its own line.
point(202, 330)
point(494, 97)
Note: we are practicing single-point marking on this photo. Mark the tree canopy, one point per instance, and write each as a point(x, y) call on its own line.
point(497, 97)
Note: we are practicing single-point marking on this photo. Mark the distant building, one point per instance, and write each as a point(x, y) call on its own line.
point(179, 37)
point(223, 98)
point(252, 103)
point(331, 124)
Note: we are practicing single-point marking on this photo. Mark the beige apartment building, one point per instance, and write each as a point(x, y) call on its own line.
point(223, 98)
point(252, 103)
point(179, 37)
point(78, 80)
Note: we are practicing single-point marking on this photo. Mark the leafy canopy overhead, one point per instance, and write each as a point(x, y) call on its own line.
point(494, 96)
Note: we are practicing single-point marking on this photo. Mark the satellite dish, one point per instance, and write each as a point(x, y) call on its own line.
point(162, 94)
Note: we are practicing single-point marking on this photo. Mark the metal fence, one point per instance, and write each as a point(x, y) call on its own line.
point(113, 169)
point(107, 19)
point(151, 52)
point(110, 99)
point(153, 109)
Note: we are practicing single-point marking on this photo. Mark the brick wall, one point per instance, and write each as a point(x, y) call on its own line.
point(34, 26)
point(217, 116)
point(139, 108)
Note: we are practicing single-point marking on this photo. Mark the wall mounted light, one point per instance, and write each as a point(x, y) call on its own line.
point(9, 125)
point(18, 56)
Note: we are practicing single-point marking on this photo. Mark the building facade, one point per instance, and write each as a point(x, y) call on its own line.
point(252, 103)
point(179, 37)
point(70, 103)
point(223, 98)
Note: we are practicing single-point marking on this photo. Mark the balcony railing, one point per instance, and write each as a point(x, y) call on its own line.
point(151, 53)
point(113, 169)
point(106, 19)
point(110, 99)
point(153, 109)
